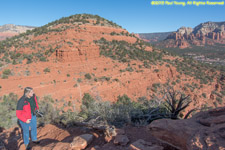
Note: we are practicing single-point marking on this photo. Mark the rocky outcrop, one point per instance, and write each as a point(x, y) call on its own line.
point(206, 130)
point(209, 32)
point(9, 30)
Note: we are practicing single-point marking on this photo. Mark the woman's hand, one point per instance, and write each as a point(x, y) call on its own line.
point(28, 121)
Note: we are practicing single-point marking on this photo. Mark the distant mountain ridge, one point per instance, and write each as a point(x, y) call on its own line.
point(15, 28)
point(9, 30)
point(154, 37)
point(208, 33)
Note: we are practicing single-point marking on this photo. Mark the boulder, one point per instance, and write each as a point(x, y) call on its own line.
point(121, 140)
point(81, 142)
point(205, 130)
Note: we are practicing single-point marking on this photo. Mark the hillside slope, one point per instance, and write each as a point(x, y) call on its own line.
point(89, 54)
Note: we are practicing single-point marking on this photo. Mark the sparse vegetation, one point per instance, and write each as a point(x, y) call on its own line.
point(46, 70)
point(124, 110)
point(104, 78)
point(6, 73)
point(8, 111)
point(124, 51)
point(87, 76)
point(79, 80)
point(204, 95)
point(220, 101)
point(176, 102)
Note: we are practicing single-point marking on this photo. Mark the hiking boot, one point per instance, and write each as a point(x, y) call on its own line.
point(27, 147)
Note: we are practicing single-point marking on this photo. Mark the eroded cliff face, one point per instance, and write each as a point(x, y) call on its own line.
point(205, 33)
point(9, 30)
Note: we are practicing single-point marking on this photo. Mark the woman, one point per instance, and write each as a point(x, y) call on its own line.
point(25, 112)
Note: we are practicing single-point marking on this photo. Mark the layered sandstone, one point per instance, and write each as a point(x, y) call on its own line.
point(205, 33)
point(9, 30)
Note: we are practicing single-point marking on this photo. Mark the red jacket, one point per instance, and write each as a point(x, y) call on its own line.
point(23, 110)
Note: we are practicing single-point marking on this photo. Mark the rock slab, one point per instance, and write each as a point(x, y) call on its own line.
point(81, 142)
point(205, 130)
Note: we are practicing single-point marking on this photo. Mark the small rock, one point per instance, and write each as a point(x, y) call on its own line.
point(108, 138)
point(121, 140)
point(143, 145)
point(81, 142)
point(95, 135)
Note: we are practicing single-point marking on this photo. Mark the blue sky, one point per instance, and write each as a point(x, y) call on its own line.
point(137, 16)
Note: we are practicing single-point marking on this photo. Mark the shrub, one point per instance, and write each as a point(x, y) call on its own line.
point(116, 114)
point(156, 70)
point(87, 76)
point(50, 112)
point(79, 80)
point(156, 85)
point(204, 95)
point(46, 70)
point(7, 72)
point(178, 81)
point(219, 100)
point(87, 105)
point(8, 117)
point(44, 59)
point(222, 92)
point(123, 100)
point(176, 102)
point(67, 118)
point(4, 76)
point(29, 58)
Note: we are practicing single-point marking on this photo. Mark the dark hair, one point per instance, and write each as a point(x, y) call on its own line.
point(27, 90)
